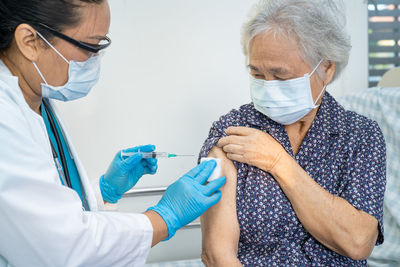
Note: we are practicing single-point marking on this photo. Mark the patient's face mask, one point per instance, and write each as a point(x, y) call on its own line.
point(82, 76)
point(284, 101)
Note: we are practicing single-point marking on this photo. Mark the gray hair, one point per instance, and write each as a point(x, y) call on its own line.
point(318, 26)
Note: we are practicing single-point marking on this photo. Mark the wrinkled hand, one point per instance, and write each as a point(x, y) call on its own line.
point(124, 173)
point(188, 198)
point(253, 147)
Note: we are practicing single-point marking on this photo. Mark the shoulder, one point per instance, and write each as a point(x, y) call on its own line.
point(21, 137)
point(355, 129)
point(353, 112)
point(14, 118)
point(363, 132)
point(236, 114)
point(245, 115)
point(360, 125)
point(349, 122)
point(10, 110)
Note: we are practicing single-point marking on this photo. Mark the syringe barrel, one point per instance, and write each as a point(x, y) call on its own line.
point(147, 155)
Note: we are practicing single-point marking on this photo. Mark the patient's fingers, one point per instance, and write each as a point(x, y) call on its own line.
point(239, 131)
point(239, 140)
point(232, 148)
point(236, 157)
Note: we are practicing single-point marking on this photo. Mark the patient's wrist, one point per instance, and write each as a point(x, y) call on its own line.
point(284, 169)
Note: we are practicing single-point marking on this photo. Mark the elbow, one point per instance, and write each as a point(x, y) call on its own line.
point(361, 248)
point(212, 259)
point(209, 259)
point(361, 240)
point(359, 254)
point(206, 259)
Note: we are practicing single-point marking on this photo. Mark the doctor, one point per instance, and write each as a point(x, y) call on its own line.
point(50, 215)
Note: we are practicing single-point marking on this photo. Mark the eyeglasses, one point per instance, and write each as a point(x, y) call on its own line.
point(93, 48)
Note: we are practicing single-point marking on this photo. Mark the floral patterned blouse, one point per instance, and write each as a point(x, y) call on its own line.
point(343, 152)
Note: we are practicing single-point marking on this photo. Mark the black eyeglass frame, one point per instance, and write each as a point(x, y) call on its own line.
point(85, 46)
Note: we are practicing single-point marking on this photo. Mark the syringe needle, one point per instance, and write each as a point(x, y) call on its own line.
point(175, 155)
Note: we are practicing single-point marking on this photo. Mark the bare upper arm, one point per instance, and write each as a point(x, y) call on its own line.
point(228, 168)
point(219, 225)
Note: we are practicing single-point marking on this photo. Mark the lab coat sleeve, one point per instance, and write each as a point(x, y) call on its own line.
point(42, 222)
point(99, 198)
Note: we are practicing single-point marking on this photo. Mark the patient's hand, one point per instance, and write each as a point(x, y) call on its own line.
point(252, 147)
point(219, 225)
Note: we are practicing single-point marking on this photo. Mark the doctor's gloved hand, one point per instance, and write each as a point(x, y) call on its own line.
point(124, 173)
point(188, 198)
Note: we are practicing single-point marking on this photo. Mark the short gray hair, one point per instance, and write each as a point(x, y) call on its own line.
point(317, 25)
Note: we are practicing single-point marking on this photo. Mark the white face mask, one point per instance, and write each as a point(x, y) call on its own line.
point(82, 76)
point(284, 101)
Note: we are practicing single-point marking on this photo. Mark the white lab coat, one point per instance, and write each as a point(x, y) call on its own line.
point(41, 221)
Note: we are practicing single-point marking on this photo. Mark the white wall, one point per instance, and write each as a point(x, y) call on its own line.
point(355, 77)
point(173, 68)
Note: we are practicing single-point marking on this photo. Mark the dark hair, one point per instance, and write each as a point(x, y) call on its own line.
point(57, 14)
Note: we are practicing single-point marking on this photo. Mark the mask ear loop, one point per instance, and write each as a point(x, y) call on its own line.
point(315, 69)
point(40, 73)
point(49, 44)
point(323, 89)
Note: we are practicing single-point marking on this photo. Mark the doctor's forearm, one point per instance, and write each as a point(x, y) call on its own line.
point(160, 229)
point(330, 219)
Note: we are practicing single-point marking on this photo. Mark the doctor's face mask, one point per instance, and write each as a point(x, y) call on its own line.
point(285, 102)
point(82, 76)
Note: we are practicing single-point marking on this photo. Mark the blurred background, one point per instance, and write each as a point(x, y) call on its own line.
point(174, 67)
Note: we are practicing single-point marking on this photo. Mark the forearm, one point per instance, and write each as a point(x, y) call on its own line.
point(328, 218)
point(160, 229)
point(220, 236)
point(220, 227)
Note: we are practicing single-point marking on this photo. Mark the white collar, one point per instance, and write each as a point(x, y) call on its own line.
point(4, 69)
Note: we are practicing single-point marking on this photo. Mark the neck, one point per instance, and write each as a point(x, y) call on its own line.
point(31, 97)
point(298, 130)
point(304, 124)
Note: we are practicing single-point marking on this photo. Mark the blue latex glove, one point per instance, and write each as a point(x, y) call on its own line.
point(188, 198)
point(124, 173)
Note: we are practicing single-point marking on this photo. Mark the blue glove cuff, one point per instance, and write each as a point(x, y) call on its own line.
point(170, 221)
point(107, 191)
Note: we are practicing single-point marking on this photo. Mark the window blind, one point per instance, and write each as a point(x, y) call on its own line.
point(384, 38)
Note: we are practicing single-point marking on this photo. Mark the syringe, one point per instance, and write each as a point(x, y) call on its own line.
point(154, 155)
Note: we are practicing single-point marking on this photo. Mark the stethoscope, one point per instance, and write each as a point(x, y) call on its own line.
point(63, 172)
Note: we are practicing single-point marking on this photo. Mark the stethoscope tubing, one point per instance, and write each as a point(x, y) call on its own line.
point(59, 146)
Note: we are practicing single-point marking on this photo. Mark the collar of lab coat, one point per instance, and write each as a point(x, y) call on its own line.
point(3, 68)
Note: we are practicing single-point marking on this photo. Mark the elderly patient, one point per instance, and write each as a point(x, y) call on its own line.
point(305, 177)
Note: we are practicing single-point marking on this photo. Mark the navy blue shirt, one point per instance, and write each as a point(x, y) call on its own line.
point(343, 152)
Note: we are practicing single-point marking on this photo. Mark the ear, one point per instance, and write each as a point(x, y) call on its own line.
point(27, 42)
point(330, 69)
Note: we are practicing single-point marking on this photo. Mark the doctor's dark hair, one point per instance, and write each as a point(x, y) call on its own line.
point(57, 14)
